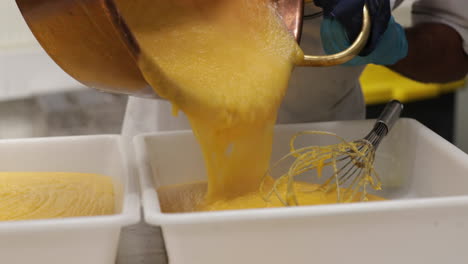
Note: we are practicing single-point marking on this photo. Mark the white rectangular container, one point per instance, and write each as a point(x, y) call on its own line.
point(77, 240)
point(425, 222)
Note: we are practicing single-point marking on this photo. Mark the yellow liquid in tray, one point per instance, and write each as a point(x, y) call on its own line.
point(190, 198)
point(43, 195)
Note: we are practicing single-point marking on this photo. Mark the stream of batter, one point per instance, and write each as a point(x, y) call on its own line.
point(226, 64)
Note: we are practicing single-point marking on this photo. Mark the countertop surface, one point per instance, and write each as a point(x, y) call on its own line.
point(141, 244)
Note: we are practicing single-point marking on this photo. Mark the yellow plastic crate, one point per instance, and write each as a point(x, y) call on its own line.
point(381, 85)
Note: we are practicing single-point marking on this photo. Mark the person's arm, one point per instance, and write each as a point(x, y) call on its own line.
point(434, 50)
point(435, 54)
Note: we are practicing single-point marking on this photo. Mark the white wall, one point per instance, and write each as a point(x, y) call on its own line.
point(13, 30)
point(25, 69)
point(37, 98)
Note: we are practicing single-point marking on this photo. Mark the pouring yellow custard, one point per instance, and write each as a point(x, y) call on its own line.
point(226, 64)
point(43, 195)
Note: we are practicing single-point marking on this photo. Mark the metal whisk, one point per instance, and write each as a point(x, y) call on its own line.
point(348, 165)
point(353, 164)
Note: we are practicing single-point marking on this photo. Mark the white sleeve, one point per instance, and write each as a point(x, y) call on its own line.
point(453, 13)
point(395, 3)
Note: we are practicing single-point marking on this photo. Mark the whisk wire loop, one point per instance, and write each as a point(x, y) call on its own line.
point(351, 163)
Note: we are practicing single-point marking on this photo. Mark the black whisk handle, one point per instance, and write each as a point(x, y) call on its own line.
point(390, 114)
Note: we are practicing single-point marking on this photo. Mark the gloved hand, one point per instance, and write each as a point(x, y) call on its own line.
point(342, 23)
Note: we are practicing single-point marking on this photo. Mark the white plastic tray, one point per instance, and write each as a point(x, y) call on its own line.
point(80, 240)
point(426, 222)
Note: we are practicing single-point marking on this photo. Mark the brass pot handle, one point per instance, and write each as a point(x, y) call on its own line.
point(346, 55)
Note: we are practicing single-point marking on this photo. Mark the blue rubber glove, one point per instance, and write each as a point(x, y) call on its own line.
point(342, 23)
